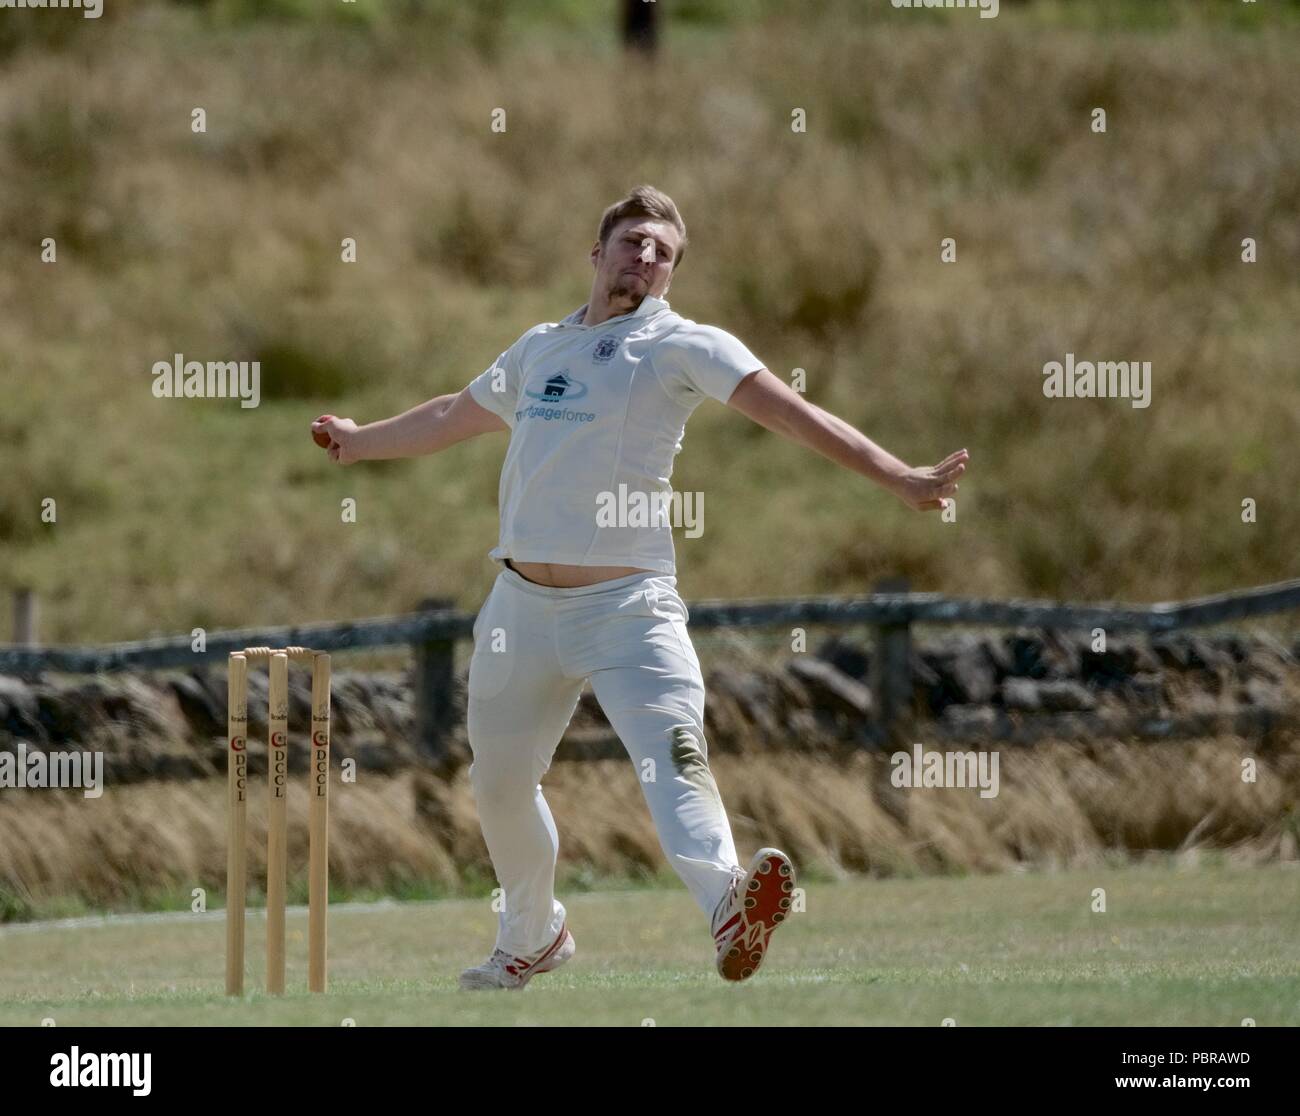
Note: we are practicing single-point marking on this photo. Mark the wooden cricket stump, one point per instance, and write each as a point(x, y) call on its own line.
point(277, 820)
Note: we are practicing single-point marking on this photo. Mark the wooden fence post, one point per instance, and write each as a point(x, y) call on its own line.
point(433, 680)
point(26, 617)
point(891, 670)
point(640, 30)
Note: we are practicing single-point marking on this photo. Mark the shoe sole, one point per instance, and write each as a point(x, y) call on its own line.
point(768, 888)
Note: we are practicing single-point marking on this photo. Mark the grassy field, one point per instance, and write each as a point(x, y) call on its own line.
point(1178, 946)
point(819, 249)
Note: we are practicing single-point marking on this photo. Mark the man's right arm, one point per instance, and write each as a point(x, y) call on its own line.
point(427, 428)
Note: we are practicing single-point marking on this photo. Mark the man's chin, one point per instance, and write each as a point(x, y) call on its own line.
point(626, 294)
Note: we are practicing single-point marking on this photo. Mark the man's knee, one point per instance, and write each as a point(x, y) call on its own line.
point(500, 784)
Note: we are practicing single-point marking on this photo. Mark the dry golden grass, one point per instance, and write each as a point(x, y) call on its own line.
point(1060, 805)
point(820, 250)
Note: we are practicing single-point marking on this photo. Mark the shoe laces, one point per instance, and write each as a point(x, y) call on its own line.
point(500, 959)
point(729, 896)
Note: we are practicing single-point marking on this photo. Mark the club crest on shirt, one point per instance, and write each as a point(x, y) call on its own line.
point(557, 387)
point(605, 349)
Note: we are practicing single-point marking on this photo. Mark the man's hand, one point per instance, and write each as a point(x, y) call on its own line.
point(924, 488)
point(341, 438)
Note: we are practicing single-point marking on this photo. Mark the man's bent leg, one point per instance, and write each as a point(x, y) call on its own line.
point(654, 698)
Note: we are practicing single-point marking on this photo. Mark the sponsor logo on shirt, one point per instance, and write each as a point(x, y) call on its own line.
point(559, 388)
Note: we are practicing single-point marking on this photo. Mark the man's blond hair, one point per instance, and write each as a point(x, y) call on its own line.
point(644, 201)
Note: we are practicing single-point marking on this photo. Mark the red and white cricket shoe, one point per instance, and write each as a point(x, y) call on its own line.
point(755, 905)
point(504, 970)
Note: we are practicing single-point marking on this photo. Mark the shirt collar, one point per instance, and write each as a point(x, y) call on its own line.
point(649, 305)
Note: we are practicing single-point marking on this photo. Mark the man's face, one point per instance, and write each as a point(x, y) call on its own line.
point(622, 273)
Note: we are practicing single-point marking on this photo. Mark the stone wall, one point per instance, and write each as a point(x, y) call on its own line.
point(1014, 687)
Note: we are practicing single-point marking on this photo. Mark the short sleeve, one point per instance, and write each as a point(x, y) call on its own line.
point(704, 360)
point(496, 388)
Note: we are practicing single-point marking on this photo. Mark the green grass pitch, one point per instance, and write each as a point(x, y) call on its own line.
point(1208, 945)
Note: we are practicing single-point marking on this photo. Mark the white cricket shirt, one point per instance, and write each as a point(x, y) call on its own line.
point(596, 416)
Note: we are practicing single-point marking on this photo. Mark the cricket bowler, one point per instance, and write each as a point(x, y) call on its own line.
point(596, 407)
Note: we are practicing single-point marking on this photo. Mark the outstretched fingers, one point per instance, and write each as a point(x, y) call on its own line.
point(960, 455)
point(940, 482)
point(951, 466)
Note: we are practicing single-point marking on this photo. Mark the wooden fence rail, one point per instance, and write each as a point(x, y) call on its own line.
point(434, 627)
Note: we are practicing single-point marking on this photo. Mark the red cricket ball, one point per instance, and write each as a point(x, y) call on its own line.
point(319, 436)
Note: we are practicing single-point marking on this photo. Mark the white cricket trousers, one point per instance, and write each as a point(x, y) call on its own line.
point(534, 647)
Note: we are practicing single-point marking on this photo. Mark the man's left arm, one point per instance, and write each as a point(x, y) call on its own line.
point(761, 396)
